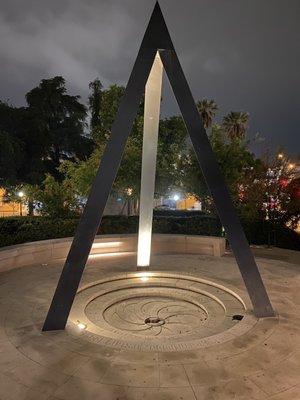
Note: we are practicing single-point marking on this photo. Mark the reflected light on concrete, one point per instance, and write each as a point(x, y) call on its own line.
point(151, 125)
point(114, 254)
point(144, 276)
point(107, 244)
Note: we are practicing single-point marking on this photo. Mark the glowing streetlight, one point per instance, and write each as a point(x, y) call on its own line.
point(21, 195)
point(280, 156)
point(291, 166)
point(129, 191)
point(176, 197)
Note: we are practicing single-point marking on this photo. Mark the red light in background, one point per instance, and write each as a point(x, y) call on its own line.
point(284, 182)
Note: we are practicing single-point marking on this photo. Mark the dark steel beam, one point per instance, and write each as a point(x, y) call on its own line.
point(89, 223)
point(217, 186)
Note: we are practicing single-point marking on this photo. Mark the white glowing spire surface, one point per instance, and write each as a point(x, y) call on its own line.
point(151, 126)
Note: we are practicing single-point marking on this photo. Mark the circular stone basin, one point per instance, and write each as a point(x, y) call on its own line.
point(158, 311)
point(171, 316)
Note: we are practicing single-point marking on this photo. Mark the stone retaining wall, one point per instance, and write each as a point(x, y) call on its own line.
point(49, 250)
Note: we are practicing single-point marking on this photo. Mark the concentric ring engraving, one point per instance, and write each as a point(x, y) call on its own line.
point(158, 311)
point(173, 316)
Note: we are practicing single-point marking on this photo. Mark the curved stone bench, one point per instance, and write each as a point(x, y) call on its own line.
point(49, 250)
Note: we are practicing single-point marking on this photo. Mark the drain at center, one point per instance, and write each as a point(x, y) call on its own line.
point(154, 321)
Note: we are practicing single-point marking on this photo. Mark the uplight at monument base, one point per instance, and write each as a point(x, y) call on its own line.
point(144, 247)
point(144, 276)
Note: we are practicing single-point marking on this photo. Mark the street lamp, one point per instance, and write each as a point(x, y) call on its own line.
point(176, 197)
point(21, 195)
point(129, 191)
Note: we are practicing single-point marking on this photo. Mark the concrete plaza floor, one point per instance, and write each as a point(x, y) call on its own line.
point(259, 361)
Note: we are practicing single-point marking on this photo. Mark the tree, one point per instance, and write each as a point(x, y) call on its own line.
point(207, 110)
point(23, 147)
point(234, 159)
point(61, 118)
point(95, 102)
point(55, 199)
point(269, 193)
point(35, 139)
point(10, 154)
point(235, 124)
point(172, 141)
point(172, 149)
point(80, 174)
point(293, 213)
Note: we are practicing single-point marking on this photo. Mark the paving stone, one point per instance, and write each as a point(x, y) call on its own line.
point(124, 374)
point(239, 389)
point(37, 377)
point(94, 369)
point(202, 374)
point(172, 376)
point(179, 393)
point(79, 389)
point(259, 360)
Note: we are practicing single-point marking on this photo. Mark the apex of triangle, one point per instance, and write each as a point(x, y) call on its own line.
point(157, 7)
point(157, 35)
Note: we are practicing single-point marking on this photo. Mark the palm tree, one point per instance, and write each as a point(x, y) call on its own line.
point(235, 124)
point(207, 110)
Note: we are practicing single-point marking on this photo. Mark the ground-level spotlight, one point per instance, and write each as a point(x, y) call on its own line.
point(144, 276)
point(81, 325)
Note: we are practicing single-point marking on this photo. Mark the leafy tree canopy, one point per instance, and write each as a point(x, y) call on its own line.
point(61, 118)
point(35, 139)
point(55, 199)
point(48, 149)
point(22, 147)
point(172, 141)
point(235, 124)
point(234, 159)
point(207, 110)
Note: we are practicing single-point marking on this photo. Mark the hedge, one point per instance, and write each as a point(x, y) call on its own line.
point(15, 230)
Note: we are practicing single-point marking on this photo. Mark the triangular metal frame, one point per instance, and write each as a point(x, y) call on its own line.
point(156, 38)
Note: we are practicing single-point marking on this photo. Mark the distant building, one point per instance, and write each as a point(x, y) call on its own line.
point(9, 209)
point(189, 203)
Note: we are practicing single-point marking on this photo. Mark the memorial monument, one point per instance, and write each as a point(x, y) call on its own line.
point(156, 52)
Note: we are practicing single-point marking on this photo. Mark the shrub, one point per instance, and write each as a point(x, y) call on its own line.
point(271, 233)
point(55, 199)
point(15, 230)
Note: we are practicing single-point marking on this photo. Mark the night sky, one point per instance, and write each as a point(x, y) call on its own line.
point(245, 54)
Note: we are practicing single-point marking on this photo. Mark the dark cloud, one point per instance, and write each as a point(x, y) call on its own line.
point(243, 53)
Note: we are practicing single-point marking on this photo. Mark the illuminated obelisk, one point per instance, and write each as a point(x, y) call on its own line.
point(151, 127)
